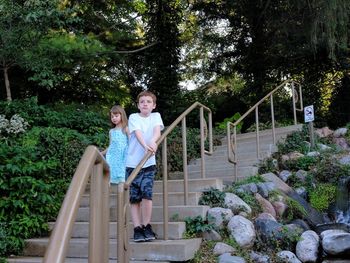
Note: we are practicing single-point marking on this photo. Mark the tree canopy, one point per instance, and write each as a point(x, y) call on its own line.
point(107, 51)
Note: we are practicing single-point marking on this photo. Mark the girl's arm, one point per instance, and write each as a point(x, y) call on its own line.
point(105, 151)
point(127, 132)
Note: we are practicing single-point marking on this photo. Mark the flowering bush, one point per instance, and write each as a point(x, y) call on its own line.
point(13, 126)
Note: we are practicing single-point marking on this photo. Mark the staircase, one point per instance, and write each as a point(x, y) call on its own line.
point(174, 249)
point(217, 165)
point(218, 172)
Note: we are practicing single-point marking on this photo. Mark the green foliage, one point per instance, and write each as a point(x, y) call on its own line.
point(268, 165)
point(60, 50)
point(288, 240)
point(295, 141)
point(174, 146)
point(61, 147)
point(323, 195)
point(23, 27)
point(196, 226)
point(304, 163)
point(295, 210)
point(251, 179)
point(26, 206)
point(329, 170)
point(37, 164)
point(223, 125)
point(212, 197)
point(92, 123)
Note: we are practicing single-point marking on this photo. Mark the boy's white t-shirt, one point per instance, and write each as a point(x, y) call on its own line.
point(146, 125)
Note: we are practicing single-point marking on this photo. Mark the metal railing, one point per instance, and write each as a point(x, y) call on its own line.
point(93, 163)
point(232, 138)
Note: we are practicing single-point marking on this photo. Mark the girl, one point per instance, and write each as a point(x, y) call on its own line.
point(118, 144)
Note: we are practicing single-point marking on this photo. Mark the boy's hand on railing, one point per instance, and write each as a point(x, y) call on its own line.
point(153, 147)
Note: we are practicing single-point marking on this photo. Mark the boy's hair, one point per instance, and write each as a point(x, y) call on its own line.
point(117, 109)
point(147, 93)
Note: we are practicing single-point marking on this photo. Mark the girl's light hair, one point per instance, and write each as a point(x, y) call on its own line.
point(117, 109)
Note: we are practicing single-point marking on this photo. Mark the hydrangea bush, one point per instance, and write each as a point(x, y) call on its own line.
point(13, 126)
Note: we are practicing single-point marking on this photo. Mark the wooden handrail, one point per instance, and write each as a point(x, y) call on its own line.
point(92, 162)
point(232, 140)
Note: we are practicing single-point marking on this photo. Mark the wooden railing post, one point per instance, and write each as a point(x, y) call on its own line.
point(257, 132)
point(122, 226)
point(294, 106)
point(99, 223)
point(165, 188)
point(202, 142)
point(273, 120)
point(184, 159)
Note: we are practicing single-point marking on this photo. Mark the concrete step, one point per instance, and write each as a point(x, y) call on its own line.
point(280, 132)
point(245, 148)
point(176, 213)
point(70, 260)
point(222, 173)
point(217, 160)
point(157, 250)
point(175, 229)
point(175, 198)
point(217, 166)
point(194, 185)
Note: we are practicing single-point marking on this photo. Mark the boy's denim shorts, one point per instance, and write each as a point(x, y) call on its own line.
point(142, 186)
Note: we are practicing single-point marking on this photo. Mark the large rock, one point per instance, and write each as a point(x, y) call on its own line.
point(337, 244)
point(287, 256)
point(219, 216)
point(312, 217)
point(265, 204)
point(242, 230)
point(307, 247)
point(236, 204)
point(222, 248)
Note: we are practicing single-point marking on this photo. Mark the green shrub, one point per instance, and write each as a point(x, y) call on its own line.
point(295, 210)
point(329, 170)
point(223, 125)
point(73, 116)
point(27, 109)
point(322, 196)
point(295, 141)
point(306, 163)
point(26, 206)
point(195, 226)
point(268, 165)
point(174, 147)
point(251, 179)
point(213, 198)
point(61, 146)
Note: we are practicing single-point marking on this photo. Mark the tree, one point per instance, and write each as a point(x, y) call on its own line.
point(162, 61)
point(24, 29)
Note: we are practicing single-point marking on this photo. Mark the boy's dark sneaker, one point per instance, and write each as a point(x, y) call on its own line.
point(148, 232)
point(139, 235)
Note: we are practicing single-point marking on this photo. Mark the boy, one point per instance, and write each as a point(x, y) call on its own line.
point(144, 128)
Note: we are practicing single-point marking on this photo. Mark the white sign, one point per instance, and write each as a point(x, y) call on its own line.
point(309, 113)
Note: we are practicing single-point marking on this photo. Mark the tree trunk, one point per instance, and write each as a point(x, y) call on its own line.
point(7, 84)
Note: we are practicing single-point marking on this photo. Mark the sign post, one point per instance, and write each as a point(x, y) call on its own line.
point(309, 117)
